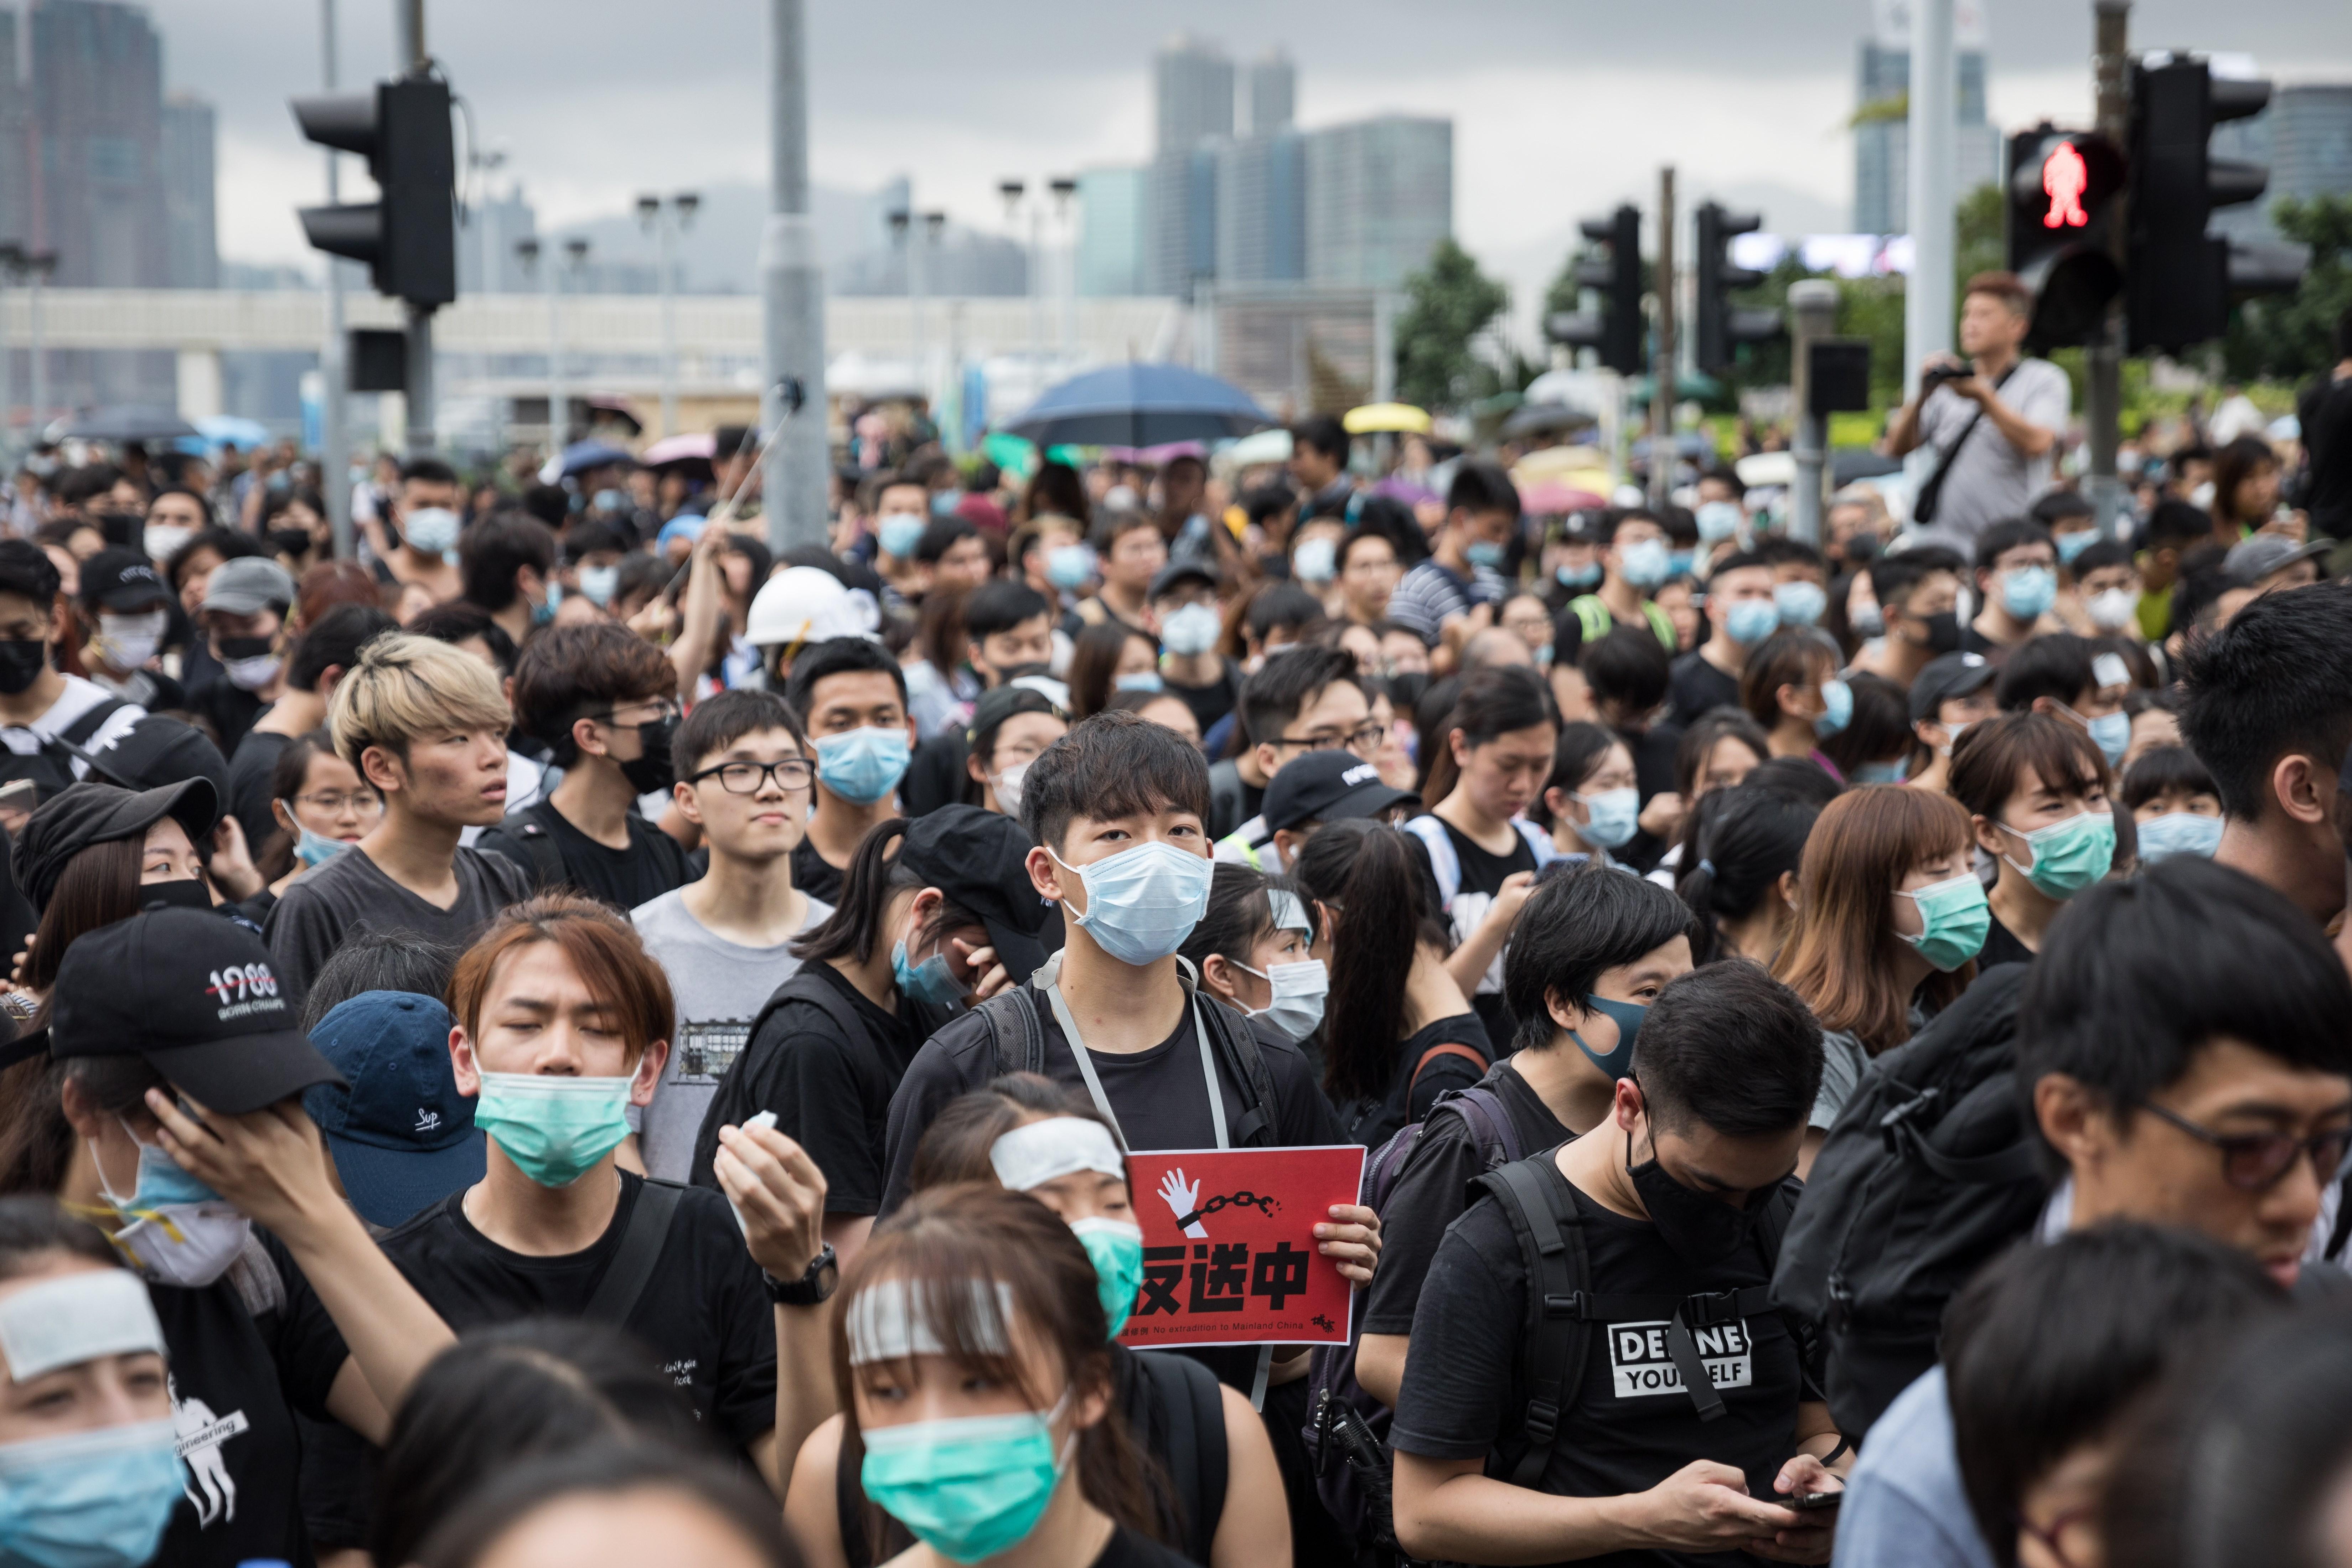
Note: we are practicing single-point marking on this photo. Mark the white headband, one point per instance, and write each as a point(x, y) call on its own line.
point(887, 1322)
point(1288, 913)
point(1028, 1157)
point(77, 1318)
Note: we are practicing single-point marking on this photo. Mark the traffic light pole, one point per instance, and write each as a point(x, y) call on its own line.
point(1662, 387)
point(334, 371)
point(793, 476)
point(420, 317)
point(2102, 358)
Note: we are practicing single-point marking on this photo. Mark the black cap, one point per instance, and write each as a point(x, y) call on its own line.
point(158, 750)
point(1002, 702)
point(123, 580)
point(1183, 569)
point(195, 995)
point(1325, 786)
point(85, 814)
point(1946, 677)
point(978, 859)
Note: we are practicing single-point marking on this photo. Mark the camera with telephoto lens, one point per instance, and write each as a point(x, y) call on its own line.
point(1937, 375)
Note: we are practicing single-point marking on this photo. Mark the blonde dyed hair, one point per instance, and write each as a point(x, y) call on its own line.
point(407, 687)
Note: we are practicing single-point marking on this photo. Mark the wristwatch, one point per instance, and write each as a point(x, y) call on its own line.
point(810, 1288)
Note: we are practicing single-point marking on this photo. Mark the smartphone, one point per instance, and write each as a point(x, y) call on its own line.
point(1806, 1502)
point(19, 794)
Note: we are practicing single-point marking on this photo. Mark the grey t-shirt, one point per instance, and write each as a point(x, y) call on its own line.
point(323, 907)
point(720, 988)
point(1843, 1061)
point(1989, 479)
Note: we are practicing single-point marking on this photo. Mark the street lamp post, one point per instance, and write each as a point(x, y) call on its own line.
point(39, 264)
point(1063, 188)
point(1012, 191)
point(667, 221)
point(575, 260)
point(11, 270)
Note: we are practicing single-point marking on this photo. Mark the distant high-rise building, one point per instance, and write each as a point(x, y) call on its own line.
point(191, 240)
point(1882, 141)
point(1192, 84)
point(1261, 209)
point(2304, 138)
point(1111, 204)
point(98, 106)
point(1193, 103)
point(486, 262)
point(1380, 195)
point(1271, 93)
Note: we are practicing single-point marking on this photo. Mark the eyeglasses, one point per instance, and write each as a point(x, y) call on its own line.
point(359, 802)
point(664, 709)
point(2053, 1534)
point(1363, 738)
point(2256, 1162)
point(748, 778)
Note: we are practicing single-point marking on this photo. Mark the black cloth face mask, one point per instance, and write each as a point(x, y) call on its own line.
point(652, 768)
point(1703, 1230)
point(21, 664)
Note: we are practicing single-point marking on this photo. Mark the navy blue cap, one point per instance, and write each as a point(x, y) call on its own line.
point(402, 1135)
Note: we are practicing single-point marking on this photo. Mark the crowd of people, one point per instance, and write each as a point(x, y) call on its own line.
point(571, 1038)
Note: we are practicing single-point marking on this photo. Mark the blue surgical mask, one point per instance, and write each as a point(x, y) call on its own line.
point(1070, 566)
point(1878, 772)
point(862, 766)
point(1116, 1248)
point(1317, 559)
point(555, 1129)
point(1141, 903)
point(1718, 520)
point(2178, 833)
point(1644, 563)
point(2027, 592)
point(2070, 545)
point(612, 500)
point(1801, 604)
point(95, 1498)
point(1584, 576)
point(2111, 732)
point(430, 530)
point(1191, 629)
point(1750, 621)
point(930, 981)
point(1627, 1016)
point(1615, 815)
point(1682, 563)
point(599, 583)
point(317, 849)
point(944, 502)
point(898, 533)
point(1837, 708)
point(1482, 552)
point(968, 1488)
point(1140, 680)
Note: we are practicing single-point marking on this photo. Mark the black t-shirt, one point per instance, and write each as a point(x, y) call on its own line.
point(228, 707)
point(814, 875)
point(1434, 1188)
point(1633, 1425)
point(2325, 412)
point(237, 1377)
point(1482, 879)
point(704, 1310)
point(1408, 1098)
point(652, 864)
point(249, 785)
point(935, 775)
point(1976, 642)
point(2002, 946)
point(1212, 703)
point(831, 1094)
point(1698, 687)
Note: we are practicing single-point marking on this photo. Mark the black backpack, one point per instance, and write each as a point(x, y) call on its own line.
point(730, 1102)
point(1563, 1307)
point(51, 768)
point(1929, 1170)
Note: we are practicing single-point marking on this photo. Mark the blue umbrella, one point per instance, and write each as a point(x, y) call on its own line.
point(581, 456)
point(1140, 406)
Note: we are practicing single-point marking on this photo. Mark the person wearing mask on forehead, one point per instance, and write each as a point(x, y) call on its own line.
point(1918, 595)
point(1741, 614)
point(425, 516)
point(2074, 679)
point(1790, 688)
point(2016, 585)
point(2036, 789)
point(1455, 593)
point(1954, 691)
point(124, 619)
point(40, 705)
point(244, 617)
point(1634, 560)
point(604, 702)
point(852, 696)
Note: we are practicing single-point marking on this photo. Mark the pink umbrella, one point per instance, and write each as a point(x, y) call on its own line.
point(1550, 499)
point(680, 449)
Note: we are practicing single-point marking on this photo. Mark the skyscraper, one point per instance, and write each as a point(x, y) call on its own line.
point(1261, 209)
point(1380, 195)
point(1271, 93)
point(97, 185)
point(1111, 207)
point(1882, 140)
point(2304, 138)
point(191, 241)
point(1192, 83)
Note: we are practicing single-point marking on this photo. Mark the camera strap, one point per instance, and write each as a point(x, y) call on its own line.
point(1923, 508)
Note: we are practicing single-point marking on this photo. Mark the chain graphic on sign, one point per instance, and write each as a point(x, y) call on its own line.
point(1183, 1200)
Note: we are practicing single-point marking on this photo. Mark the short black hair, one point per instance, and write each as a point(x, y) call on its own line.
point(1895, 574)
point(940, 535)
point(334, 638)
point(1282, 606)
point(2057, 667)
point(838, 656)
point(2060, 506)
point(26, 571)
point(570, 673)
point(1324, 433)
point(1268, 500)
point(1000, 605)
point(1289, 679)
point(1110, 765)
point(2163, 768)
point(1725, 474)
point(2139, 977)
point(458, 621)
point(1782, 550)
point(1628, 667)
point(1732, 1050)
point(2277, 679)
point(2048, 1345)
point(492, 552)
point(2177, 523)
point(1576, 926)
point(2007, 534)
point(590, 535)
point(1739, 560)
point(1481, 486)
point(719, 722)
point(432, 470)
point(2099, 554)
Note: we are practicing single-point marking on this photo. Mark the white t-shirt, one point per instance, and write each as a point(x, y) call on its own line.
point(1990, 480)
point(77, 699)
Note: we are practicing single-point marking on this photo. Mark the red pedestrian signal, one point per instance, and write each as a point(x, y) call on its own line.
point(2061, 189)
point(2065, 177)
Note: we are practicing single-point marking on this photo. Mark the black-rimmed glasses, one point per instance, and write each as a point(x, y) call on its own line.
point(746, 778)
point(2255, 1162)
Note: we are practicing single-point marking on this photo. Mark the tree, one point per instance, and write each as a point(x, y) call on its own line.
point(1448, 303)
point(2290, 337)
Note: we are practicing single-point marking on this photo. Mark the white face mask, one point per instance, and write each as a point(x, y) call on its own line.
point(2115, 609)
point(174, 1237)
point(127, 642)
point(251, 674)
point(1296, 1007)
point(1007, 785)
point(161, 541)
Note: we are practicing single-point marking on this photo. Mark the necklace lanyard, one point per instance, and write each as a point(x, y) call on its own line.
point(1052, 988)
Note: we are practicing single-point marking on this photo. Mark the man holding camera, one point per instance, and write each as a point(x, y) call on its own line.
point(1995, 422)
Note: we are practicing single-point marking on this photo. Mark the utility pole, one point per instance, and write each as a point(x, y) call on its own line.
point(1063, 188)
point(667, 225)
point(1661, 390)
point(2102, 358)
point(40, 264)
point(794, 479)
point(334, 374)
point(413, 62)
point(1812, 307)
point(12, 269)
point(1927, 293)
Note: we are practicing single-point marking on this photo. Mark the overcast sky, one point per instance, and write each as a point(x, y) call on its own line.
point(1560, 107)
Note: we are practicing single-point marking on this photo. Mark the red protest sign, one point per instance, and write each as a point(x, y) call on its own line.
point(1229, 1250)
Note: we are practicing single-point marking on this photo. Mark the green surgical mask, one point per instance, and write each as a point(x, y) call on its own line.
point(1116, 1248)
point(555, 1129)
point(2068, 856)
point(1954, 918)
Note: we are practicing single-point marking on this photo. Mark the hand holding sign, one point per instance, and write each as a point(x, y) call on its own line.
point(1266, 1268)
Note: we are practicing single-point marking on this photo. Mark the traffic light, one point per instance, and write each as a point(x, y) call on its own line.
point(1616, 329)
point(408, 236)
point(2181, 278)
point(1721, 327)
point(2060, 212)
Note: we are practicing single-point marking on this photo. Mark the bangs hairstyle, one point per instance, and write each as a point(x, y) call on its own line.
point(876, 875)
point(955, 1147)
point(1792, 657)
point(719, 722)
point(1993, 754)
point(2165, 768)
point(1841, 958)
point(1575, 926)
point(407, 687)
point(1239, 913)
point(604, 951)
point(1112, 765)
point(1493, 702)
point(942, 1241)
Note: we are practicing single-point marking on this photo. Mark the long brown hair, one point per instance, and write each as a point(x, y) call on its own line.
point(944, 1238)
point(1841, 958)
point(98, 886)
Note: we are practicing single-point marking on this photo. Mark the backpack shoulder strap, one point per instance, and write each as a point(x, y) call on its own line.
point(1442, 858)
point(1539, 843)
point(1017, 1040)
point(1662, 626)
point(1592, 617)
point(1489, 1120)
point(808, 986)
point(1230, 1037)
point(632, 1267)
point(1551, 1244)
point(1197, 1456)
point(79, 732)
point(1443, 1048)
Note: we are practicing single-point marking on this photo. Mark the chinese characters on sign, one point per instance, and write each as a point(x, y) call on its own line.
point(1229, 1251)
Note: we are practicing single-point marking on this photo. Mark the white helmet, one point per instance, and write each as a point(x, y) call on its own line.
point(807, 604)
